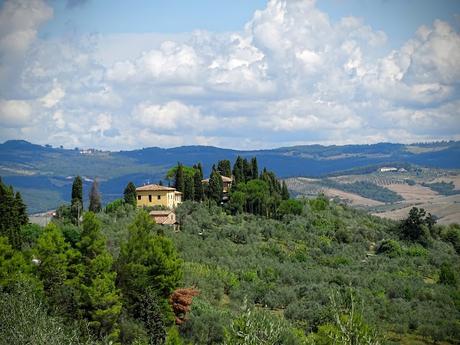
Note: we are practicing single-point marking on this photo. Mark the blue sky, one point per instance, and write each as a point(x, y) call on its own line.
point(239, 74)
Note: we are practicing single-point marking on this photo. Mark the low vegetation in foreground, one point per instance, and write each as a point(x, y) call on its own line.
point(321, 273)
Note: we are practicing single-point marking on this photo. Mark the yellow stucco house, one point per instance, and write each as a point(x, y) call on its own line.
point(156, 195)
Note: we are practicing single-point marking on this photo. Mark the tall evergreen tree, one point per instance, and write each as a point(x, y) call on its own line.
point(255, 168)
point(215, 186)
point(99, 300)
point(247, 170)
point(149, 270)
point(224, 169)
point(77, 190)
point(238, 170)
point(10, 221)
point(76, 207)
point(180, 178)
point(198, 186)
point(21, 210)
point(129, 194)
point(189, 189)
point(95, 198)
point(200, 169)
point(284, 191)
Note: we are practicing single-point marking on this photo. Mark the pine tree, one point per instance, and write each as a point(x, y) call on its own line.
point(255, 168)
point(95, 198)
point(215, 186)
point(149, 271)
point(198, 184)
point(129, 194)
point(99, 300)
point(179, 178)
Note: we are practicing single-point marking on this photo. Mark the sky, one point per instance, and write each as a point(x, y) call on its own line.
point(238, 74)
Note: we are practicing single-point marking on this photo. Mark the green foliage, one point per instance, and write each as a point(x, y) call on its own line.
point(442, 188)
point(448, 275)
point(365, 189)
point(13, 215)
point(173, 337)
point(348, 328)
point(24, 320)
point(416, 226)
point(29, 235)
point(149, 270)
point(238, 171)
point(95, 198)
point(215, 186)
point(290, 206)
point(198, 185)
point(284, 191)
point(99, 301)
point(223, 168)
point(451, 234)
point(129, 194)
point(189, 191)
point(391, 248)
point(77, 189)
point(254, 327)
point(13, 267)
point(115, 205)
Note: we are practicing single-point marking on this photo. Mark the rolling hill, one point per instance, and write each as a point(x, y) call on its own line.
point(43, 174)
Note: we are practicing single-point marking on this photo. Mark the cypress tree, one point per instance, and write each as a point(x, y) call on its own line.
point(95, 198)
point(255, 168)
point(215, 186)
point(77, 190)
point(284, 191)
point(247, 170)
point(180, 179)
point(10, 219)
point(238, 170)
point(198, 186)
point(200, 169)
point(129, 194)
point(189, 190)
point(21, 210)
point(224, 169)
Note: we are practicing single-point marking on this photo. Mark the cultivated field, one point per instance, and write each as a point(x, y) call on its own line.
point(407, 184)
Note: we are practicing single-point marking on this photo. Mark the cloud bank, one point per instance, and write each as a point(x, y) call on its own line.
point(290, 76)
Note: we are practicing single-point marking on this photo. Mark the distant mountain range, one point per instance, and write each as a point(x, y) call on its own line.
point(44, 174)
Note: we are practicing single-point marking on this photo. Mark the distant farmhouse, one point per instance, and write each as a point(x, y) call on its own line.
point(164, 217)
point(392, 169)
point(156, 195)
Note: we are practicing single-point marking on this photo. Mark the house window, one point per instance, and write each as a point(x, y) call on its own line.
point(150, 198)
point(159, 197)
point(138, 197)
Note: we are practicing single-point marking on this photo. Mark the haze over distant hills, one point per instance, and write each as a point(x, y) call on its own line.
point(44, 174)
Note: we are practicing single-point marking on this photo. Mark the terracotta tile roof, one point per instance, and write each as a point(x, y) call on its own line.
point(224, 179)
point(155, 187)
point(160, 212)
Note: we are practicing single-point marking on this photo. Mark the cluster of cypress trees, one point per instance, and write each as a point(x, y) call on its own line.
point(13, 214)
point(251, 192)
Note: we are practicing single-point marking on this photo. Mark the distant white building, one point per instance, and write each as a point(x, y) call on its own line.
point(388, 169)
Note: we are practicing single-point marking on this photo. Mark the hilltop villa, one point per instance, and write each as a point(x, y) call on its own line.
point(156, 195)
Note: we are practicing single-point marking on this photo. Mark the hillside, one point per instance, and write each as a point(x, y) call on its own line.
point(43, 174)
point(274, 281)
point(390, 194)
